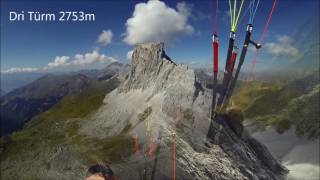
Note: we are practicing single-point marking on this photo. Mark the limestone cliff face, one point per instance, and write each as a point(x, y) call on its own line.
point(152, 67)
point(161, 100)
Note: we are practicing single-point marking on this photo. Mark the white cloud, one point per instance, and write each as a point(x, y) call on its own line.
point(106, 59)
point(285, 39)
point(59, 61)
point(90, 58)
point(19, 70)
point(105, 37)
point(87, 58)
point(129, 55)
point(282, 47)
point(78, 61)
point(155, 21)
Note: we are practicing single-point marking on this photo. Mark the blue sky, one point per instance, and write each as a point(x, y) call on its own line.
point(36, 44)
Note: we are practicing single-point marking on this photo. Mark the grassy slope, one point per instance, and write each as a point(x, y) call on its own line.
point(281, 106)
point(59, 127)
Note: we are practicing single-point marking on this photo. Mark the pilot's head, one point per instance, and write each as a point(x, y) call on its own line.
point(100, 172)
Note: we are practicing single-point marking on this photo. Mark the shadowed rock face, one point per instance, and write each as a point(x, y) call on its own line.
point(180, 106)
point(241, 147)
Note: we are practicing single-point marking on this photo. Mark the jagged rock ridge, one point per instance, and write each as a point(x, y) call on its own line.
point(177, 99)
point(158, 99)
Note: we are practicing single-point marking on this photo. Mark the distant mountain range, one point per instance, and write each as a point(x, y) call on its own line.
point(158, 109)
point(11, 81)
point(278, 100)
point(283, 105)
point(21, 104)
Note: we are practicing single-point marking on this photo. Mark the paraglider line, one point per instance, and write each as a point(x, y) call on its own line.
point(250, 75)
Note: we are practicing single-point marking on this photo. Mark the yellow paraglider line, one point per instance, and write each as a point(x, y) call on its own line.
point(236, 23)
point(230, 9)
point(234, 15)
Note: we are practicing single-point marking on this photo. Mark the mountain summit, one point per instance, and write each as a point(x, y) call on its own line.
point(153, 126)
point(165, 101)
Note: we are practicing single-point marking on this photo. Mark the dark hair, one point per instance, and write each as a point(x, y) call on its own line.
point(104, 170)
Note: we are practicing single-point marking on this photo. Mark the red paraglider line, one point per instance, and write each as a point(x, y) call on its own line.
point(250, 75)
point(136, 145)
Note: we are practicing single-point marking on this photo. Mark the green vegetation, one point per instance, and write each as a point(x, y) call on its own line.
point(115, 149)
point(143, 116)
point(305, 113)
point(256, 92)
point(282, 106)
point(75, 106)
point(235, 114)
point(55, 125)
point(188, 114)
point(58, 123)
point(58, 127)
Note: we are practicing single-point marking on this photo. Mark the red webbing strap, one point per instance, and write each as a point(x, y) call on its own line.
point(215, 57)
point(233, 61)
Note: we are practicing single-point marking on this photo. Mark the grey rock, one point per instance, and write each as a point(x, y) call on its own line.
point(180, 107)
point(165, 101)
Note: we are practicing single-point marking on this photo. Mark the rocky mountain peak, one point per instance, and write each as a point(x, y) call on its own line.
point(159, 104)
point(151, 66)
point(159, 98)
point(148, 54)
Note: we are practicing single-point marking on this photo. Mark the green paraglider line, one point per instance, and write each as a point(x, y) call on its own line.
point(236, 22)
